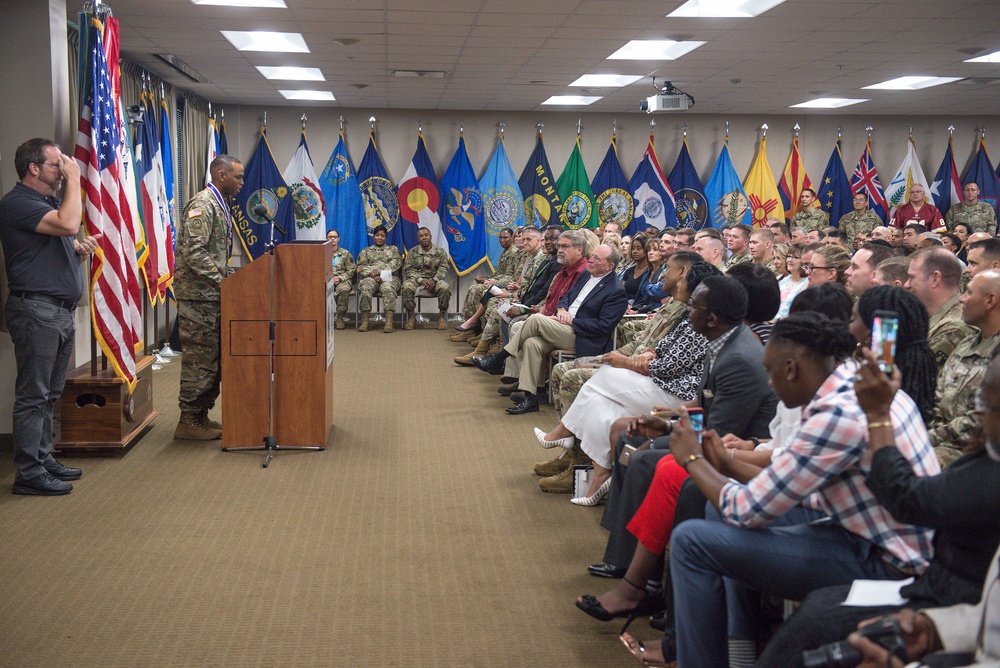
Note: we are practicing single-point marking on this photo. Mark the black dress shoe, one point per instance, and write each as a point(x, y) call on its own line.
point(604, 570)
point(42, 485)
point(61, 472)
point(527, 405)
point(491, 364)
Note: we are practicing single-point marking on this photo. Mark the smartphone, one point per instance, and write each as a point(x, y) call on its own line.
point(626, 454)
point(697, 416)
point(885, 327)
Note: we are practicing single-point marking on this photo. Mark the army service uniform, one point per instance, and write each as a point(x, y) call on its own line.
point(421, 265)
point(378, 258)
point(979, 217)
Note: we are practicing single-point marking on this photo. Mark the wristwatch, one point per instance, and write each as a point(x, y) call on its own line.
point(755, 441)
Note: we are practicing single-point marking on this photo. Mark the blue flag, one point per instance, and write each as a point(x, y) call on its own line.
point(263, 184)
point(833, 190)
point(538, 188)
point(727, 201)
point(345, 209)
point(611, 193)
point(167, 151)
point(462, 213)
point(503, 205)
point(947, 187)
point(692, 207)
point(419, 196)
point(223, 143)
point(654, 200)
point(381, 205)
point(981, 171)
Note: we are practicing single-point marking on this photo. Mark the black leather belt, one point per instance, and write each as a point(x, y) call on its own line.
point(34, 296)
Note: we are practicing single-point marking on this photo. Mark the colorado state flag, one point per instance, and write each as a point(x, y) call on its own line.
point(345, 209)
point(578, 210)
point(502, 201)
point(610, 187)
point(263, 184)
point(654, 200)
point(419, 197)
point(462, 213)
point(761, 191)
point(538, 187)
point(692, 207)
point(381, 205)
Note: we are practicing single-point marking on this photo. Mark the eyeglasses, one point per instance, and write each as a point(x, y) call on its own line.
point(691, 305)
point(809, 266)
point(564, 246)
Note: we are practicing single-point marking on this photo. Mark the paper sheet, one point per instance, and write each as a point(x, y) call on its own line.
point(869, 593)
point(385, 274)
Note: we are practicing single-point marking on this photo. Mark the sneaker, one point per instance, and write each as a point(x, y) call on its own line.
point(43, 485)
point(60, 472)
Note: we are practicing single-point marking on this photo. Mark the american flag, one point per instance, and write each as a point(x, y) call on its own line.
point(114, 275)
point(865, 179)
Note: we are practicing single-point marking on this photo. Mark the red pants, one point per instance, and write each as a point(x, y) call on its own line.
point(654, 520)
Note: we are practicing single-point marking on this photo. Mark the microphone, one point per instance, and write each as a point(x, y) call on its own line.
point(261, 210)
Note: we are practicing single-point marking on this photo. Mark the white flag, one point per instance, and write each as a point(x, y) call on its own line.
point(897, 193)
point(310, 209)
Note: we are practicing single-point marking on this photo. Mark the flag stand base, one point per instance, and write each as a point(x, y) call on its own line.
point(98, 416)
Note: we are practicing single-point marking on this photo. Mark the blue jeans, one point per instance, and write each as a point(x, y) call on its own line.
point(786, 561)
point(43, 344)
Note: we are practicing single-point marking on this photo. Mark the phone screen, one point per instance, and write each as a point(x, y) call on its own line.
point(697, 417)
point(885, 327)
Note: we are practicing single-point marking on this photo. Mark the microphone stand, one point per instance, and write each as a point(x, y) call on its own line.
point(270, 442)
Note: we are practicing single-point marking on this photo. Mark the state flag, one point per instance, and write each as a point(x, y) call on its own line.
point(538, 188)
point(689, 193)
point(578, 210)
point(159, 260)
point(947, 187)
point(462, 213)
point(761, 191)
point(345, 208)
point(263, 184)
point(793, 181)
point(981, 171)
point(727, 202)
point(213, 148)
point(834, 192)
point(310, 209)
point(654, 200)
point(909, 173)
point(167, 154)
point(223, 142)
point(503, 206)
point(381, 205)
point(610, 187)
point(865, 179)
point(419, 196)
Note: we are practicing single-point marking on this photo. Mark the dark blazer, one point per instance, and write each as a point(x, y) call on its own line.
point(538, 289)
point(595, 321)
point(735, 395)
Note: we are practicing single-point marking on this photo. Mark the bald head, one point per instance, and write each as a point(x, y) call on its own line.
point(882, 232)
point(977, 236)
point(981, 302)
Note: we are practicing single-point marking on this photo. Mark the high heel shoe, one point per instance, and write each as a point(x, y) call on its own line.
point(565, 443)
point(595, 498)
point(650, 605)
point(637, 649)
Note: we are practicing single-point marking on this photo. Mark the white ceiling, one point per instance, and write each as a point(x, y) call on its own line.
point(514, 54)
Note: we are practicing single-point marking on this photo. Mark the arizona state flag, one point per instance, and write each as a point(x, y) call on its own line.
point(762, 193)
point(947, 187)
point(381, 205)
point(727, 203)
point(654, 200)
point(610, 187)
point(263, 184)
point(834, 192)
point(503, 206)
point(419, 197)
point(462, 213)
point(578, 210)
point(538, 187)
point(793, 181)
point(981, 171)
point(345, 209)
point(692, 207)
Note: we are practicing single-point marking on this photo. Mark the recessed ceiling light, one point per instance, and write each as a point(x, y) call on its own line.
point(988, 58)
point(654, 49)
point(307, 95)
point(243, 3)
point(723, 8)
point(912, 83)
point(571, 100)
point(420, 74)
point(261, 40)
point(292, 73)
point(606, 80)
point(827, 103)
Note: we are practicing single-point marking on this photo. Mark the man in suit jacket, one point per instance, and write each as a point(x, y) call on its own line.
point(734, 394)
point(584, 321)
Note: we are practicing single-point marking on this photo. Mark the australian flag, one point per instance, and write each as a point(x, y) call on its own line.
point(462, 213)
point(981, 172)
point(538, 188)
point(263, 184)
point(654, 200)
point(381, 205)
point(833, 190)
point(692, 207)
point(611, 194)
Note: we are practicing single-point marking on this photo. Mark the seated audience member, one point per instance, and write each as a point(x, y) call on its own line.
point(797, 235)
point(636, 273)
point(810, 216)
point(614, 240)
point(712, 251)
point(897, 238)
point(712, 232)
point(766, 299)
point(828, 264)
point(837, 238)
point(372, 261)
point(929, 240)
point(648, 299)
point(779, 230)
point(860, 276)
point(426, 266)
point(963, 232)
point(911, 236)
point(762, 250)
point(684, 239)
point(508, 266)
point(795, 282)
point(951, 242)
point(780, 256)
point(343, 276)
point(983, 254)
point(822, 470)
point(881, 233)
point(934, 276)
point(738, 245)
point(961, 505)
point(892, 271)
point(584, 322)
point(816, 237)
point(667, 242)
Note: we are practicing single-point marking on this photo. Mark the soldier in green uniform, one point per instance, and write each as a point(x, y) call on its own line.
point(978, 216)
point(809, 216)
point(738, 243)
point(201, 261)
point(503, 275)
point(343, 276)
point(933, 277)
point(372, 261)
point(426, 267)
point(860, 221)
point(761, 250)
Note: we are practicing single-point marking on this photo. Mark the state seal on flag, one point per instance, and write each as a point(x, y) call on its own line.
point(652, 207)
point(268, 199)
point(614, 206)
point(341, 170)
point(501, 209)
point(537, 210)
point(308, 206)
point(692, 208)
point(381, 206)
point(730, 209)
point(577, 209)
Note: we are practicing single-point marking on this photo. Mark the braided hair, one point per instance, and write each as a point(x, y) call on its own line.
point(913, 354)
point(815, 332)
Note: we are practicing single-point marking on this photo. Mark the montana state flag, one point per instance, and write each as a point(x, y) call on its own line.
point(381, 205)
point(793, 181)
point(578, 210)
point(981, 171)
point(263, 184)
point(462, 213)
point(692, 207)
point(610, 187)
point(727, 203)
point(345, 209)
point(503, 206)
point(538, 188)
point(834, 192)
point(654, 200)
point(419, 197)
point(762, 193)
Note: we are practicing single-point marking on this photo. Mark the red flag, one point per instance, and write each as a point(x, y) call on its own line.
point(793, 181)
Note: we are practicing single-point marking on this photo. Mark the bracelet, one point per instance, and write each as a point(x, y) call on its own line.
point(690, 460)
point(732, 453)
point(876, 425)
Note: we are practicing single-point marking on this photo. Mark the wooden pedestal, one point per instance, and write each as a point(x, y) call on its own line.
point(99, 418)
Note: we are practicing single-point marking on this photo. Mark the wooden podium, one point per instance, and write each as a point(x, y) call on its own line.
point(304, 311)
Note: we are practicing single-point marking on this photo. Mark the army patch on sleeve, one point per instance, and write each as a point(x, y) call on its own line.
point(194, 213)
point(197, 226)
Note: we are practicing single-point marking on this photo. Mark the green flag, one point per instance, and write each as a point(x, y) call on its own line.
point(578, 209)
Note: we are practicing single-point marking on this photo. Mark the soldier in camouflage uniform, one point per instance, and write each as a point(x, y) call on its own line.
point(934, 275)
point(953, 429)
point(738, 243)
point(343, 276)
point(761, 250)
point(810, 217)
point(860, 221)
point(978, 216)
point(426, 266)
point(201, 261)
point(371, 262)
point(504, 274)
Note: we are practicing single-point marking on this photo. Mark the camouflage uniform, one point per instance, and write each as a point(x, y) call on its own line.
point(421, 265)
point(855, 223)
point(567, 380)
point(201, 261)
point(979, 218)
point(508, 266)
point(947, 330)
point(813, 219)
point(375, 258)
point(743, 258)
point(773, 268)
point(491, 330)
point(953, 429)
point(343, 268)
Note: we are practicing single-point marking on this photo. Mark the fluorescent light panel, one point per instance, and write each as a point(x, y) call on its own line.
point(288, 73)
point(654, 49)
point(706, 9)
point(261, 40)
point(912, 83)
point(827, 103)
point(571, 100)
point(260, 4)
point(988, 58)
point(606, 80)
point(322, 95)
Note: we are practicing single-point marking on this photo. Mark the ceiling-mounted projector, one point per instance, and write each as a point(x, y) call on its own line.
point(669, 98)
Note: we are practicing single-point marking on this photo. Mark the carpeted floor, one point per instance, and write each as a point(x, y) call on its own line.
point(418, 538)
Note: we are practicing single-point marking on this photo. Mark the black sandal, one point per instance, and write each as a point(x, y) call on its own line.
point(650, 605)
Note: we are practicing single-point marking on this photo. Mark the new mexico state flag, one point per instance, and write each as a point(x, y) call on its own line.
point(762, 193)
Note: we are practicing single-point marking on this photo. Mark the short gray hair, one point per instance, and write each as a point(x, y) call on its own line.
point(577, 238)
point(614, 256)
